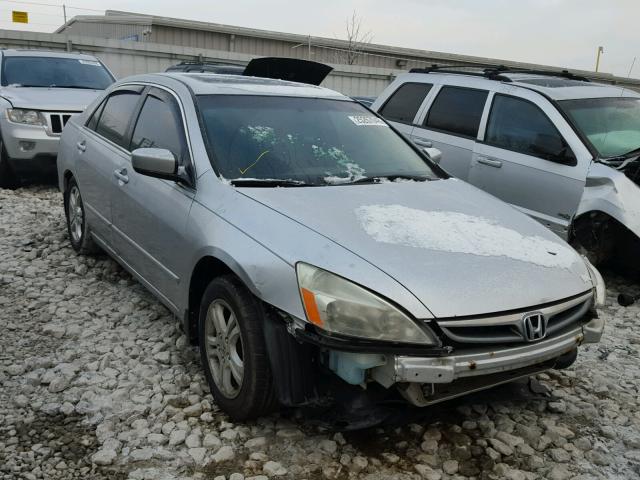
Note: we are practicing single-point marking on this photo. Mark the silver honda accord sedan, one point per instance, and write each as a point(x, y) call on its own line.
point(314, 254)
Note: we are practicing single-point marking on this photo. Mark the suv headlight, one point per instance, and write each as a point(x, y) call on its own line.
point(340, 306)
point(25, 117)
point(599, 286)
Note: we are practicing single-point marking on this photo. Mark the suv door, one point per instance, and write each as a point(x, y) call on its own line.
point(451, 124)
point(530, 158)
point(150, 214)
point(402, 106)
point(100, 149)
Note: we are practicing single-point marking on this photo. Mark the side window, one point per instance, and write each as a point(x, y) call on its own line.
point(519, 125)
point(95, 116)
point(457, 110)
point(159, 125)
point(404, 103)
point(116, 116)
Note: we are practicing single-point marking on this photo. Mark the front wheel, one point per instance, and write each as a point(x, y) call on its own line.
point(8, 178)
point(233, 350)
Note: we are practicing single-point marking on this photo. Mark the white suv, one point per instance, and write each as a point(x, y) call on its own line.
point(555, 146)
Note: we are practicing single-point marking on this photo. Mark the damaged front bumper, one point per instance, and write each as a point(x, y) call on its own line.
point(428, 380)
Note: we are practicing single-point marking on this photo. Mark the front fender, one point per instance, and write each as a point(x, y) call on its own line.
point(610, 191)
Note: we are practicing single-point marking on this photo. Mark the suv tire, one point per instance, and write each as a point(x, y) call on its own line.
point(233, 351)
point(77, 228)
point(8, 178)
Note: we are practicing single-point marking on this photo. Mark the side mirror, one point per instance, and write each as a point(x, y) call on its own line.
point(434, 154)
point(155, 162)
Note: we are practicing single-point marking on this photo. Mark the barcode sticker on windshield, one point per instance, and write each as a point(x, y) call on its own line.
point(90, 62)
point(367, 120)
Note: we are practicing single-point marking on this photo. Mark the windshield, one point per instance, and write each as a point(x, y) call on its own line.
point(612, 125)
point(55, 72)
point(310, 140)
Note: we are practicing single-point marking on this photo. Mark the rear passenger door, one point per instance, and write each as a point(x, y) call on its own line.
point(402, 106)
point(100, 148)
point(530, 158)
point(150, 214)
point(451, 124)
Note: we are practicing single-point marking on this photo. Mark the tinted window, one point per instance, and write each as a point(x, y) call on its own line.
point(405, 102)
point(55, 72)
point(159, 126)
point(312, 140)
point(95, 116)
point(116, 115)
point(521, 126)
point(457, 110)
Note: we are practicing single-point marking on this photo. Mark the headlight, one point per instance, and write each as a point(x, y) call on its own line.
point(26, 117)
point(339, 306)
point(598, 283)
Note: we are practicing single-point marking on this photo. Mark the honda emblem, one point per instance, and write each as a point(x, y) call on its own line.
point(534, 326)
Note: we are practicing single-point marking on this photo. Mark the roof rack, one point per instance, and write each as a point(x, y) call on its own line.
point(496, 72)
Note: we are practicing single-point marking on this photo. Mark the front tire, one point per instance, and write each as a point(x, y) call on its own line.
point(8, 178)
point(233, 351)
point(77, 228)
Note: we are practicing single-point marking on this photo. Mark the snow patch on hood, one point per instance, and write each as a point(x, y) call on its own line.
point(459, 233)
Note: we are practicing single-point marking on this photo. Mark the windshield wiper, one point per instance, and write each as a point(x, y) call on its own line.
point(268, 182)
point(73, 86)
point(383, 178)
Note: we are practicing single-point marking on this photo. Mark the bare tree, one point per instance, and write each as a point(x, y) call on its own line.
point(357, 38)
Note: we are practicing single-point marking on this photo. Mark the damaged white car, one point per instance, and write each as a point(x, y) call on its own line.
point(315, 255)
point(554, 145)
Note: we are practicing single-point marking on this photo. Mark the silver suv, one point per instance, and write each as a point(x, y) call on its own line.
point(553, 145)
point(313, 253)
point(39, 93)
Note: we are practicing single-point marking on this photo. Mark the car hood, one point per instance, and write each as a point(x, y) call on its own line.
point(50, 99)
point(460, 251)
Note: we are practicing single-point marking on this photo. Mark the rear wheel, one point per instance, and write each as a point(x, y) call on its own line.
point(8, 178)
point(79, 236)
point(233, 351)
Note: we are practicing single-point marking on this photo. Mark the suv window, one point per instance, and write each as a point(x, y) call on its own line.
point(519, 125)
point(115, 117)
point(457, 110)
point(159, 125)
point(404, 103)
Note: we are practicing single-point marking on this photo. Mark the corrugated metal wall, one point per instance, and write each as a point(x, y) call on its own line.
point(117, 31)
point(126, 58)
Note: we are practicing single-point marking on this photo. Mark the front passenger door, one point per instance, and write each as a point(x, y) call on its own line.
point(526, 161)
point(150, 214)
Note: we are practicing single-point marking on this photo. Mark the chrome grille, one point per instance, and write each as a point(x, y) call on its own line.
point(510, 327)
point(57, 121)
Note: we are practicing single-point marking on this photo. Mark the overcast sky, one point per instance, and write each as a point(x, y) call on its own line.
point(554, 32)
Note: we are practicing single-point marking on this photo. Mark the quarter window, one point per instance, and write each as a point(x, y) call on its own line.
point(159, 126)
point(519, 125)
point(116, 116)
point(95, 116)
point(457, 110)
point(403, 105)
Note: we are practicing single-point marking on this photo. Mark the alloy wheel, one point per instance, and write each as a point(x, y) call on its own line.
point(224, 348)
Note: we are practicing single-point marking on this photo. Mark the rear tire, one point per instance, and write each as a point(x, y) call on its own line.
point(233, 351)
point(77, 228)
point(8, 178)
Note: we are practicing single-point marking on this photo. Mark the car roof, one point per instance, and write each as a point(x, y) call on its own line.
point(554, 87)
point(44, 53)
point(221, 84)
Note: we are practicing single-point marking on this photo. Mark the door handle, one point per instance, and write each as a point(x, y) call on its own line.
point(423, 143)
point(82, 146)
point(121, 175)
point(491, 162)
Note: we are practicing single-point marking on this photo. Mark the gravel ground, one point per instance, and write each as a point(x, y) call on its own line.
point(96, 381)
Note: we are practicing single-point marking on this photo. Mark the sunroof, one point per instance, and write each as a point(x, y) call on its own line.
point(554, 82)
